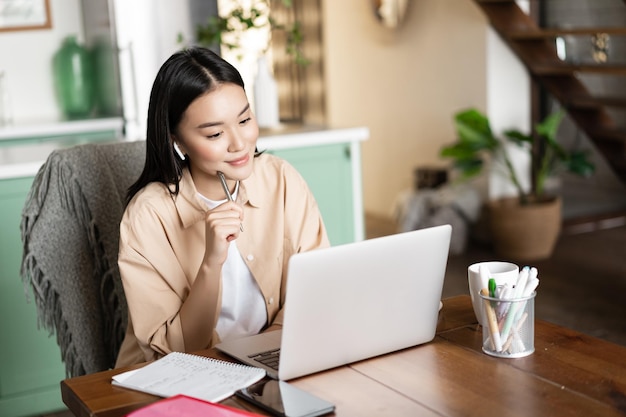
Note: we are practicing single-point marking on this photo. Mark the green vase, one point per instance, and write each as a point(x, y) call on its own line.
point(107, 100)
point(74, 79)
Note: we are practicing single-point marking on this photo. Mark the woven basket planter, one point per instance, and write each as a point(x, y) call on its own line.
point(524, 232)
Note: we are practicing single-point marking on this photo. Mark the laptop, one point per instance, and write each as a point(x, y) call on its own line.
point(352, 302)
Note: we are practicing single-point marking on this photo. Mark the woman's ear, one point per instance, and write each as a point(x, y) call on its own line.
point(180, 153)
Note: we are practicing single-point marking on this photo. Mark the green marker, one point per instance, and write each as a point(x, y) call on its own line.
point(492, 287)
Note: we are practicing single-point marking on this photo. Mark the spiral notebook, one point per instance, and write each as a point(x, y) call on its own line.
point(192, 375)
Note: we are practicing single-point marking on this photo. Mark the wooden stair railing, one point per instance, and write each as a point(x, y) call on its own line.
point(536, 49)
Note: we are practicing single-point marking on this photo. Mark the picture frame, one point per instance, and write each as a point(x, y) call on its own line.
point(16, 15)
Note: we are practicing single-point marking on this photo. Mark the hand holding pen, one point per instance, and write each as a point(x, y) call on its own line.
point(227, 191)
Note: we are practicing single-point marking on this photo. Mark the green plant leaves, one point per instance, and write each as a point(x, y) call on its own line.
point(210, 34)
point(474, 137)
point(549, 126)
point(249, 16)
point(469, 167)
point(579, 164)
point(474, 130)
point(518, 137)
point(475, 140)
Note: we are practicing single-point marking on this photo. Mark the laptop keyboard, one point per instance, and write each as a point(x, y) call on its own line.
point(269, 358)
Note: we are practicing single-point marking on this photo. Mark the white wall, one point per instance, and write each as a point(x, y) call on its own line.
point(26, 57)
point(404, 84)
point(508, 107)
point(147, 30)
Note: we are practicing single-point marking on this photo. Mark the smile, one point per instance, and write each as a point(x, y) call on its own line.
point(240, 161)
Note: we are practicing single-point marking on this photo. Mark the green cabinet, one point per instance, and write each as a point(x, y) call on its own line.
point(30, 359)
point(329, 159)
point(327, 170)
point(31, 368)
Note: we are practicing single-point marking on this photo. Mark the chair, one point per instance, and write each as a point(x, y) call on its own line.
point(70, 234)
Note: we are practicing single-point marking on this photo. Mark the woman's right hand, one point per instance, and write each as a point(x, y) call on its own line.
point(222, 226)
point(200, 310)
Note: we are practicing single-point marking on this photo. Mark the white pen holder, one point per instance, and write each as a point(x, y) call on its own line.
point(510, 329)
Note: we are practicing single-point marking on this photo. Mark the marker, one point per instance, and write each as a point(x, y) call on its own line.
point(227, 191)
point(522, 278)
point(483, 273)
point(505, 294)
point(515, 334)
point(532, 282)
point(493, 322)
point(516, 308)
point(483, 276)
point(492, 287)
point(531, 286)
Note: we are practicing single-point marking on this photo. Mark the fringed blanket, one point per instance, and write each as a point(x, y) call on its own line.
point(70, 233)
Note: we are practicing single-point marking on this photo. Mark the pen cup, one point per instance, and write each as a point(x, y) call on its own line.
point(510, 329)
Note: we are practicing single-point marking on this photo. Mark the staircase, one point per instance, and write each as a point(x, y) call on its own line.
point(535, 47)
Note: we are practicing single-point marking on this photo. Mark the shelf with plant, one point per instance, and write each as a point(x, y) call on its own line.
point(226, 30)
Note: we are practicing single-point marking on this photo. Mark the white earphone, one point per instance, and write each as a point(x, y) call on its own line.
point(180, 153)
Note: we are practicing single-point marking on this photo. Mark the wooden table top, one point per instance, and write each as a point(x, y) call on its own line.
point(569, 374)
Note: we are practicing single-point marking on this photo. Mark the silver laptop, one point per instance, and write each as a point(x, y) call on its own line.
point(352, 302)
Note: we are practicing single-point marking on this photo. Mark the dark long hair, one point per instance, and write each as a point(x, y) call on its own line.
point(185, 76)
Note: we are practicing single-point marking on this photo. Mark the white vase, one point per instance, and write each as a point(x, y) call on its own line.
point(265, 96)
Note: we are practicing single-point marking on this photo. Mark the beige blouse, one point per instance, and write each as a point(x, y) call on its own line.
point(162, 245)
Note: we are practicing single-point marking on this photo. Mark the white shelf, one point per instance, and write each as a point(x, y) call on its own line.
point(298, 137)
point(60, 128)
point(24, 148)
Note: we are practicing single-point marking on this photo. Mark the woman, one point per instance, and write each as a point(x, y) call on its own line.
point(196, 267)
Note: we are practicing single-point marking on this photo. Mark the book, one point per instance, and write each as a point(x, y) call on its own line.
point(184, 406)
point(192, 375)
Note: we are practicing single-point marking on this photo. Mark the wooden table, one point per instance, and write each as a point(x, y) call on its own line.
point(570, 374)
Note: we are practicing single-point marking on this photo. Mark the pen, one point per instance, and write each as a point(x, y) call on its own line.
point(227, 191)
point(515, 332)
point(492, 322)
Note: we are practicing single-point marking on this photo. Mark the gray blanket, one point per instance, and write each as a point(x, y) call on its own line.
point(70, 233)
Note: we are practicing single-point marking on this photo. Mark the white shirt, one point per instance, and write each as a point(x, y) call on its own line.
point(243, 306)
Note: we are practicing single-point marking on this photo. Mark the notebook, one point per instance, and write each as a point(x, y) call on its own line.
point(185, 406)
point(191, 375)
point(354, 301)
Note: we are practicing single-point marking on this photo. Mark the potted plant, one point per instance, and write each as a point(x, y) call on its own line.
point(518, 225)
point(225, 30)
